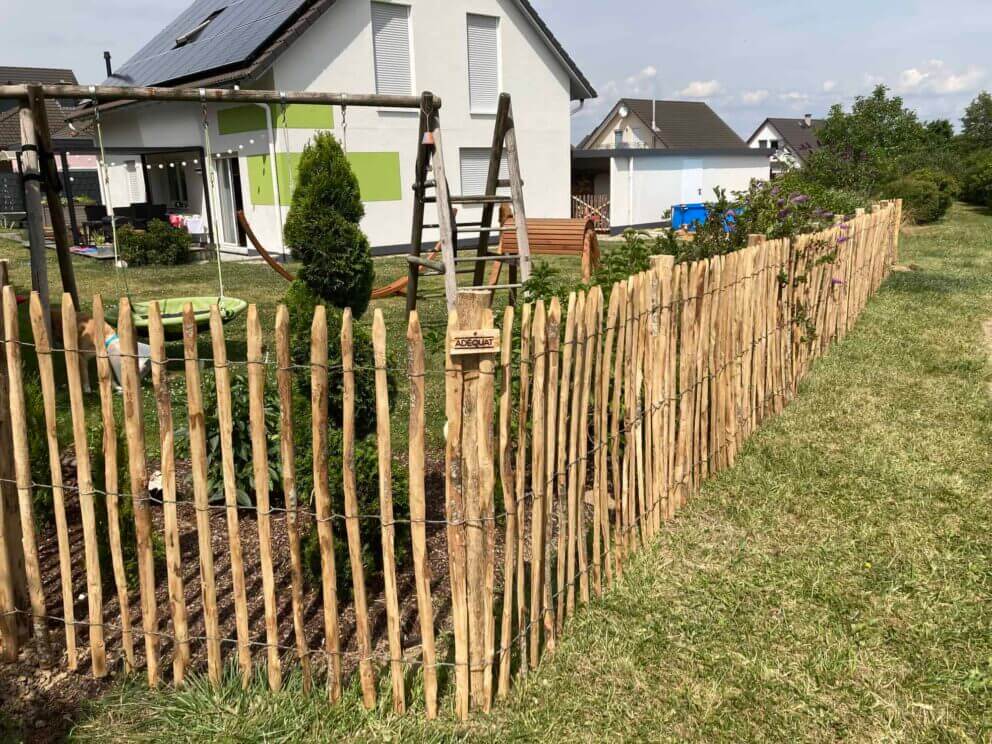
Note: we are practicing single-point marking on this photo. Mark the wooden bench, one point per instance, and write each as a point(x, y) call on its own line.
point(557, 237)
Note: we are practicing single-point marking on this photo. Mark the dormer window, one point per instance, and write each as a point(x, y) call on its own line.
point(194, 33)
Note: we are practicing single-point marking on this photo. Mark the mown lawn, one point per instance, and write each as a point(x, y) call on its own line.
point(833, 586)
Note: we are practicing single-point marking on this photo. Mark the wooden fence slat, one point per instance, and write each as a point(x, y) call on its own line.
point(596, 367)
point(575, 490)
point(13, 581)
point(455, 516)
point(322, 500)
point(84, 477)
point(137, 468)
point(551, 466)
point(201, 497)
point(620, 291)
point(111, 480)
point(43, 349)
point(639, 484)
point(589, 359)
point(523, 409)
point(362, 633)
point(287, 458)
point(487, 485)
point(170, 516)
point(629, 492)
point(22, 468)
point(470, 305)
point(561, 474)
point(537, 484)
point(602, 438)
point(387, 522)
point(652, 368)
point(507, 479)
point(418, 514)
point(260, 480)
point(225, 418)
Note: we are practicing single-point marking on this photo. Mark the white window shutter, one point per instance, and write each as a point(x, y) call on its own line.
point(391, 46)
point(475, 170)
point(483, 63)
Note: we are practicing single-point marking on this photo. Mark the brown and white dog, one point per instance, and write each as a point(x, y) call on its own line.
point(86, 332)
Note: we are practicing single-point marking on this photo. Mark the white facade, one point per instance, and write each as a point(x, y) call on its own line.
point(770, 140)
point(625, 132)
point(644, 186)
point(337, 53)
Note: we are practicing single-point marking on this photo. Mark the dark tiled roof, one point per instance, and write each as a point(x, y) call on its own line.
point(242, 35)
point(10, 125)
point(801, 139)
point(42, 75)
point(681, 125)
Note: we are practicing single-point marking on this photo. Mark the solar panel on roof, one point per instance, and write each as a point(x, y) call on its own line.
point(231, 37)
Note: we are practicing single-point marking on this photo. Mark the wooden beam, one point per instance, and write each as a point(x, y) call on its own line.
point(110, 93)
point(31, 177)
point(49, 182)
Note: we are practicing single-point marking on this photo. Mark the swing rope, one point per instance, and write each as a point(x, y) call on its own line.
point(285, 144)
point(211, 181)
point(121, 275)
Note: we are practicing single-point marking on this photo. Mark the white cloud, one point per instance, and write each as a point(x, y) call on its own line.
point(793, 96)
point(754, 97)
point(912, 78)
point(935, 78)
point(701, 89)
point(829, 85)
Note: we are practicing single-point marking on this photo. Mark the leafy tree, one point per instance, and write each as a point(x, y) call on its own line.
point(977, 120)
point(941, 131)
point(322, 227)
point(861, 148)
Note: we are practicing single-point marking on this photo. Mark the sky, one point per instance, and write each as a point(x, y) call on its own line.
point(748, 60)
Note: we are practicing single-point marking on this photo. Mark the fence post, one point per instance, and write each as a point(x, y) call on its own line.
point(470, 343)
point(13, 580)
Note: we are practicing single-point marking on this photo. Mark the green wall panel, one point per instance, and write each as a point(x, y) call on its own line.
point(260, 191)
point(303, 116)
point(260, 186)
point(378, 175)
point(241, 119)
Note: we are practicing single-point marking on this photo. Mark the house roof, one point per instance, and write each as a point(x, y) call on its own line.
point(679, 125)
point(10, 125)
point(219, 41)
point(799, 138)
point(41, 75)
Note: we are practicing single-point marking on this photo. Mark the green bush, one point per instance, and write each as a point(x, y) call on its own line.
point(367, 492)
point(322, 227)
point(240, 440)
point(922, 200)
point(160, 244)
point(301, 302)
point(976, 187)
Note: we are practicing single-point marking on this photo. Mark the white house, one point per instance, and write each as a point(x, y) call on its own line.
point(465, 51)
point(788, 142)
point(648, 156)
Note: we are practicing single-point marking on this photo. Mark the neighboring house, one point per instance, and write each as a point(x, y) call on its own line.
point(647, 156)
point(788, 142)
point(65, 141)
point(465, 51)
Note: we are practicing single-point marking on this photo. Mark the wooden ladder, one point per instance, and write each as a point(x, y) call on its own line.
point(431, 187)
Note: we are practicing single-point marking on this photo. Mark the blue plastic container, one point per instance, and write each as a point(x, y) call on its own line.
point(688, 215)
point(691, 215)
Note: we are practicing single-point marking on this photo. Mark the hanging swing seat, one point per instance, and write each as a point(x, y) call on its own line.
point(171, 310)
